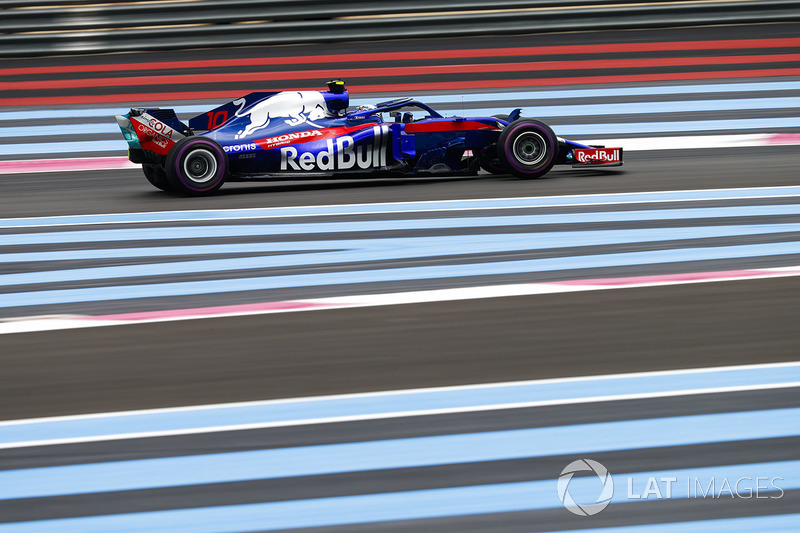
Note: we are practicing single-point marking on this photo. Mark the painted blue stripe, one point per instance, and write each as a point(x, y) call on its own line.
point(454, 98)
point(127, 292)
point(623, 108)
point(67, 147)
point(782, 523)
point(406, 247)
point(409, 505)
point(250, 230)
point(398, 453)
point(365, 250)
point(408, 207)
point(568, 130)
point(397, 402)
point(59, 129)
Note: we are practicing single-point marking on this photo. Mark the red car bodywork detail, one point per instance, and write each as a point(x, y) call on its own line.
point(299, 137)
point(153, 140)
point(461, 125)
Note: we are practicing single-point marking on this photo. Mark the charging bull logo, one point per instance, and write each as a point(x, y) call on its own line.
point(295, 107)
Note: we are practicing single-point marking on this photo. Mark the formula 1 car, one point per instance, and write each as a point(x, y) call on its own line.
point(291, 134)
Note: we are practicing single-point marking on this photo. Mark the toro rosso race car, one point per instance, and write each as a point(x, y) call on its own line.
point(291, 134)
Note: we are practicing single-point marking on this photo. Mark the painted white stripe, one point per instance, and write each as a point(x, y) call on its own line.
point(629, 144)
point(34, 324)
point(394, 404)
point(643, 144)
point(396, 414)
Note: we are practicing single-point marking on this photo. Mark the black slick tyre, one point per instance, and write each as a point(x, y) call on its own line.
point(196, 166)
point(527, 148)
point(157, 178)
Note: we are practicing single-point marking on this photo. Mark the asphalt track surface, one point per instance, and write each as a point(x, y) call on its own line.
point(410, 346)
point(323, 352)
point(394, 347)
point(542, 336)
point(35, 195)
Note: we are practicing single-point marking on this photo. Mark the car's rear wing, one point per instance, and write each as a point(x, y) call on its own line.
point(151, 133)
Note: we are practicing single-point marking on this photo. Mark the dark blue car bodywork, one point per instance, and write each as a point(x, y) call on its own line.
point(315, 133)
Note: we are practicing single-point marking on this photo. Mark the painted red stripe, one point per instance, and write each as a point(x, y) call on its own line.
point(533, 66)
point(29, 166)
point(425, 54)
point(784, 138)
point(387, 299)
point(398, 88)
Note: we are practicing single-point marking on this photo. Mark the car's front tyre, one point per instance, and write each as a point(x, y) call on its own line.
point(527, 148)
point(196, 166)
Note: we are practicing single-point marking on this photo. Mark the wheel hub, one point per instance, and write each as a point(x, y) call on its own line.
point(530, 148)
point(200, 165)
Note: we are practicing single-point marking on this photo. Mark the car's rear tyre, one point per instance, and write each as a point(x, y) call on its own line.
point(527, 148)
point(157, 177)
point(196, 166)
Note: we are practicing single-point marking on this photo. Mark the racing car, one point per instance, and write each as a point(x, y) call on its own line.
point(291, 134)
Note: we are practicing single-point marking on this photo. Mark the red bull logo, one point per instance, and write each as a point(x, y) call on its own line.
point(597, 155)
point(341, 153)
